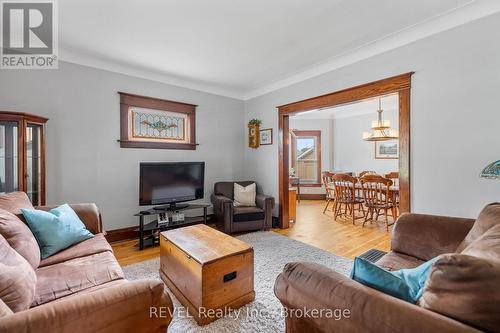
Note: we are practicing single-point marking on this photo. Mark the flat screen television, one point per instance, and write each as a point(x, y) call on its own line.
point(171, 183)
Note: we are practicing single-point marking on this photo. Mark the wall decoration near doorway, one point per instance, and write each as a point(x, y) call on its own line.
point(386, 150)
point(253, 133)
point(148, 122)
point(266, 136)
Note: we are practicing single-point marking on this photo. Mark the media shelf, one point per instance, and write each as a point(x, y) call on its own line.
point(149, 232)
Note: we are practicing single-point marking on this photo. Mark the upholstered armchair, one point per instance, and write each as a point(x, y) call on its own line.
point(231, 219)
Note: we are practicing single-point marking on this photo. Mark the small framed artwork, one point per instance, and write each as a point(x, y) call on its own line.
point(386, 150)
point(266, 136)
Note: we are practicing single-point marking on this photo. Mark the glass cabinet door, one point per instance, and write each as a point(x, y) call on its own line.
point(9, 157)
point(34, 163)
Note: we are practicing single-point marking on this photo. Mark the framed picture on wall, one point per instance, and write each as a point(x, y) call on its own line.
point(387, 149)
point(266, 136)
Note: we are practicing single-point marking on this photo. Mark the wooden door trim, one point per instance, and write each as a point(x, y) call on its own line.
point(400, 84)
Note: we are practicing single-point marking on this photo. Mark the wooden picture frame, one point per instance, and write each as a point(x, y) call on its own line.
point(387, 150)
point(162, 117)
point(266, 136)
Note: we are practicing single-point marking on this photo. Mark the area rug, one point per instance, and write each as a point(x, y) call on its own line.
point(264, 314)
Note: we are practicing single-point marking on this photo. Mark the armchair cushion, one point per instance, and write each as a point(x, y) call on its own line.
point(244, 195)
point(243, 214)
point(488, 218)
point(227, 188)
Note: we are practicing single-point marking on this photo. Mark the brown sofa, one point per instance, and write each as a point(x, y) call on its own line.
point(232, 219)
point(80, 289)
point(460, 295)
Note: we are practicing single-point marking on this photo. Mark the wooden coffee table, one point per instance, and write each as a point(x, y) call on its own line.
point(208, 271)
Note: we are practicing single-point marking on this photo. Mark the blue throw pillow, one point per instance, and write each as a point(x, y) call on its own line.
point(57, 229)
point(406, 284)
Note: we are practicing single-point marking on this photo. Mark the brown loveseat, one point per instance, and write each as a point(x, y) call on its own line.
point(80, 289)
point(232, 219)
point(461, 294)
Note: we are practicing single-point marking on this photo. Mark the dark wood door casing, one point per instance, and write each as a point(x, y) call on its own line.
point(400, 84)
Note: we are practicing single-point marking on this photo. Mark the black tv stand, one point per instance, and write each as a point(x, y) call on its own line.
point(171, 207)
point(149, 231)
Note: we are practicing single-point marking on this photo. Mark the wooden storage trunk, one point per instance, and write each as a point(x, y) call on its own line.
point(206, 269)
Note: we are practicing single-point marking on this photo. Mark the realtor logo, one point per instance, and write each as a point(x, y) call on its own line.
point(29, 34)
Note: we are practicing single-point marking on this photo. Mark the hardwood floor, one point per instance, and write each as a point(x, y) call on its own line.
point(340, 237)
point(312, 227)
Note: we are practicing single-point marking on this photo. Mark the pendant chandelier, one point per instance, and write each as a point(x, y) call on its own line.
point(381, 129)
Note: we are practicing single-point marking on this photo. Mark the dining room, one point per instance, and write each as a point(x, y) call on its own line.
point(344, 171)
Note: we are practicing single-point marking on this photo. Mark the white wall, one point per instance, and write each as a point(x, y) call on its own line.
point(84, 160)
point(351, 153)
point(455, 115)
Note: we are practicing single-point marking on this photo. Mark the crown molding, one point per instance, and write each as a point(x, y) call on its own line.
point(66, 55)
point(470, 11)
point(473, 10)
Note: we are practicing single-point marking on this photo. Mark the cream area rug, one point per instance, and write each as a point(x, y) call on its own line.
point(271, 252)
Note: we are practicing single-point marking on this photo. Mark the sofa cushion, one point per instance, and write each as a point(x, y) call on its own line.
point(66, 278)
point(56, 229)
point(393, 261)
point(4, 309)
point(14, 201)
point(96, 244)
point(489, 217)
point(244, 214)
point(465, 288)
point(227, 188)
point(406, 284)
point(487, 246)
point(17, 278)
point(20, 237)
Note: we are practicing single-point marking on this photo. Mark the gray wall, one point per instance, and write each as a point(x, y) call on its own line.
point(455, 115)
point(351, 153)
point(85, 162)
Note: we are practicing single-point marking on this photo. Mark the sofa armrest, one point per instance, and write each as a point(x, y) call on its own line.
point(266, 203)
point(427, 236)
point(129, 307)
point(309, 286)
point(87, 212)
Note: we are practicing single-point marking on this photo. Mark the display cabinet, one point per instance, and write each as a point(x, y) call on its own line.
point(22, 155)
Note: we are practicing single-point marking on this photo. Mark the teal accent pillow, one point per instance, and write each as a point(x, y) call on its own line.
point(406, 284)
point(56, 229)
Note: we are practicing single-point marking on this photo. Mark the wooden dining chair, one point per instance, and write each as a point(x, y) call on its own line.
point(394, 176)
point(377, 195)
point(362, 173)
point(345, 196)
point(327, 179)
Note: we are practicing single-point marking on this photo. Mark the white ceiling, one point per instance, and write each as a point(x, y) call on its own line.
point(246, 48)
point(388, 102)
